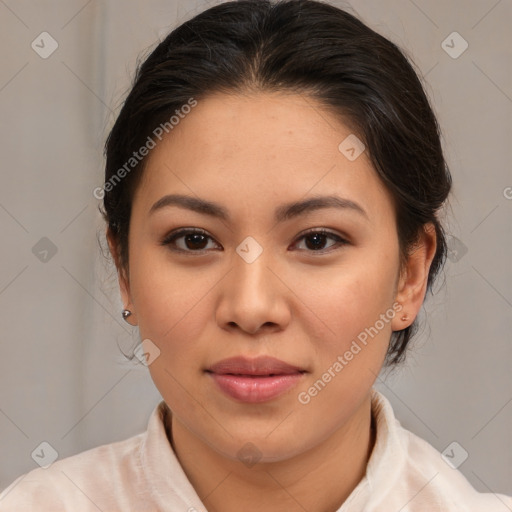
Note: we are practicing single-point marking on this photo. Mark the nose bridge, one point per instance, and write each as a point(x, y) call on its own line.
point(252, 296)
point(251, 279)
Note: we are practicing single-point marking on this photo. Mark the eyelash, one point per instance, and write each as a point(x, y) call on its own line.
point(172, 237)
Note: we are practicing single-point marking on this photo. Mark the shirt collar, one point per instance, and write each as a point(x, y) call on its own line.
point(171, 487)
point(386, 461)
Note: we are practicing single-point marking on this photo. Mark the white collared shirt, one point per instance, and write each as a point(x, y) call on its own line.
point(142, 473)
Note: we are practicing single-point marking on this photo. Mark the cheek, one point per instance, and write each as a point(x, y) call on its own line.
point(355, 291)
point(166, 295)
point(173, 309)
point(349, 354)
point(349, 301)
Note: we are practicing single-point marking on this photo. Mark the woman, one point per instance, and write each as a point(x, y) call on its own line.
point(272, 194)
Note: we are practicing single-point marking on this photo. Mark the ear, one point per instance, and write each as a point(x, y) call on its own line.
point(412, 283)
point(124, 283)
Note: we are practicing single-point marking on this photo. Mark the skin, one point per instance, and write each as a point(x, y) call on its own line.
point(252, 153)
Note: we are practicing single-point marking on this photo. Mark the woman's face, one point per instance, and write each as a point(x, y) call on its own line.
point(255, 284)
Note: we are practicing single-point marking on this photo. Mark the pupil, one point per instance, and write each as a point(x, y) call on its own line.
point(319, 240)
point(196, 238)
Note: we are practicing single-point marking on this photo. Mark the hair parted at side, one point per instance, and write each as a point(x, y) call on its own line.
point(297, 46)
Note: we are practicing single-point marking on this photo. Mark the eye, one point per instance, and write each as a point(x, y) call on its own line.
point(187, 240)
point(317, 238)
point(196, 240)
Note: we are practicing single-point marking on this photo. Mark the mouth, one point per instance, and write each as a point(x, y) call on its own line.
point(254, 380)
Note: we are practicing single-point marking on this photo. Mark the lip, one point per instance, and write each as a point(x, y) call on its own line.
point(254, 380)
point(262, 365)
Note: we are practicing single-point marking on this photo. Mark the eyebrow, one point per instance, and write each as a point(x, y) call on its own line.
point(282, 213)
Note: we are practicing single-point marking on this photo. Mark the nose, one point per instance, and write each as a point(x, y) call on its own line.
point(253, 298)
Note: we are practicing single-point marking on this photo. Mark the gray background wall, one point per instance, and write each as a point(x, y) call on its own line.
point(62, 376)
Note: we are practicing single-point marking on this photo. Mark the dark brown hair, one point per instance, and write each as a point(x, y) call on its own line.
point(298, 46)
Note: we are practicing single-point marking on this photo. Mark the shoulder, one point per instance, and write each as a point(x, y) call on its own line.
point(86, 480)
point(439, 482)
point(408, 473)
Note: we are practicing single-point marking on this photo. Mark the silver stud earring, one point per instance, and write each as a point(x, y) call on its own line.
point(126, 313)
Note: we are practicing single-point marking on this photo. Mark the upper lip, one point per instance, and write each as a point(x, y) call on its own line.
point(262, 365)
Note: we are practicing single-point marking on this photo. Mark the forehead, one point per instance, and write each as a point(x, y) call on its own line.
point(255, 148)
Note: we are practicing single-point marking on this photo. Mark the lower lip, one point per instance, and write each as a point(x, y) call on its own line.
point(255, 389)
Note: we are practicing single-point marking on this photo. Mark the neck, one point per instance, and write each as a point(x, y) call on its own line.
point(319, 479)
